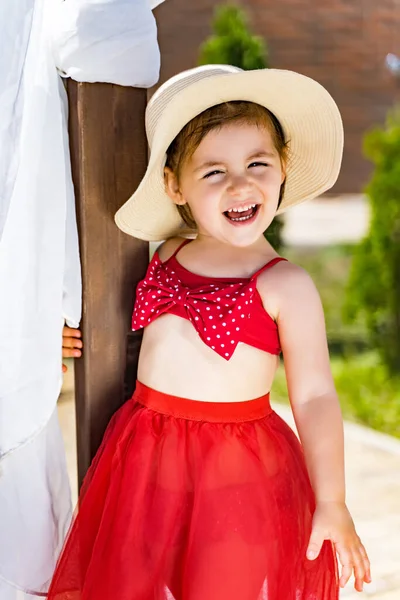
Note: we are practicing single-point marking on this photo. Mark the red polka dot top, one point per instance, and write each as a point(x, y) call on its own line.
point(224, 311)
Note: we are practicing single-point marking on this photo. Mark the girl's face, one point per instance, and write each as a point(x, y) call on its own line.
point(231, 183)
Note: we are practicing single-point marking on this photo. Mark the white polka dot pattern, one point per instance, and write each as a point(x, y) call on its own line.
point(218, 311)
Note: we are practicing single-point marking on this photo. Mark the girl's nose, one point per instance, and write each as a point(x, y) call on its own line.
point(239, 185)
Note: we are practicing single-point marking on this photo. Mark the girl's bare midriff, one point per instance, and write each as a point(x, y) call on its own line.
point(174, 360)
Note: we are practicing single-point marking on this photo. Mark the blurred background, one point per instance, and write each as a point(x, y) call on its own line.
point(348, 240)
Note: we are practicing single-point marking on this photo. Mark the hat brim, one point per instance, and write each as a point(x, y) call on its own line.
point(307, 113)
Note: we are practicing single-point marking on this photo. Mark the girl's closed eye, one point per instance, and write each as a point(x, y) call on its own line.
point(211, 173)
point(258, 164)
point(219, 172)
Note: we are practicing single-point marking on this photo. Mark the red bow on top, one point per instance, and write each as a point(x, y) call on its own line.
point(217, 311)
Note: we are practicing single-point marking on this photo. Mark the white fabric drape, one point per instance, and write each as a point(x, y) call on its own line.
point(112, 41)
point(108, 40)
point(35, 512)
point(40, 285)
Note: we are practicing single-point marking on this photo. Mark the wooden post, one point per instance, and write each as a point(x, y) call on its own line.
point(109, 157)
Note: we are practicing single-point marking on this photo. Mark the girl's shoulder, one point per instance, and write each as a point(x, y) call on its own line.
point(166, 249)
point(283, 273)
point(286, 284)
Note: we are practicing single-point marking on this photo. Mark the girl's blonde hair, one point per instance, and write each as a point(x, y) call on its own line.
point(189, 138)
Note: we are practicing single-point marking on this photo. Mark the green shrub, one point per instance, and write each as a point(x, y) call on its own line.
point(232, 43)
point(367, 393)
point(329, 267)
point(374, 283)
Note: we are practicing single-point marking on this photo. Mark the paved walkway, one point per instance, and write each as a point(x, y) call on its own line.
point(372, 459)
point(322, 222)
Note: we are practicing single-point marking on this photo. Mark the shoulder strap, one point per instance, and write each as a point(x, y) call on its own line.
point(179, 248)
point(269, 264)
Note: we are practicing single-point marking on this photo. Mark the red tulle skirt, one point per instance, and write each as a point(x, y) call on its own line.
point(191, 500)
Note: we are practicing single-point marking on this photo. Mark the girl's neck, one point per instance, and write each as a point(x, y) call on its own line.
point(261, 246)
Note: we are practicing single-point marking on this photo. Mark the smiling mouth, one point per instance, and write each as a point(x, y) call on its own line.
point(238, 215)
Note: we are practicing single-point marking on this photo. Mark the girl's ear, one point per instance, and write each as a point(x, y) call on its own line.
point(283, 172)
point(172, 187)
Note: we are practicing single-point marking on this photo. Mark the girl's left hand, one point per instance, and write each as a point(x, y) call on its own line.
point(332, 521)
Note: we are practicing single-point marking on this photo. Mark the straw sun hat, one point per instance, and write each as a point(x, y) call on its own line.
point(307, 113)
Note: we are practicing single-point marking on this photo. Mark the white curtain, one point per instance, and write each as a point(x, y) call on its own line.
point(107, 40)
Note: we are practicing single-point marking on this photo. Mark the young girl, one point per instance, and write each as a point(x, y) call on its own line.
point(199, 490)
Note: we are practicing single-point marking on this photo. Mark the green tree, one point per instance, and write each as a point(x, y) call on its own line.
point(232, 43)
point(374, 283)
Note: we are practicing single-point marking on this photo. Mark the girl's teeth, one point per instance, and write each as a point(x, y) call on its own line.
point(243, 209)
point(250, 214)
point(241, 214)
point(242, 218)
